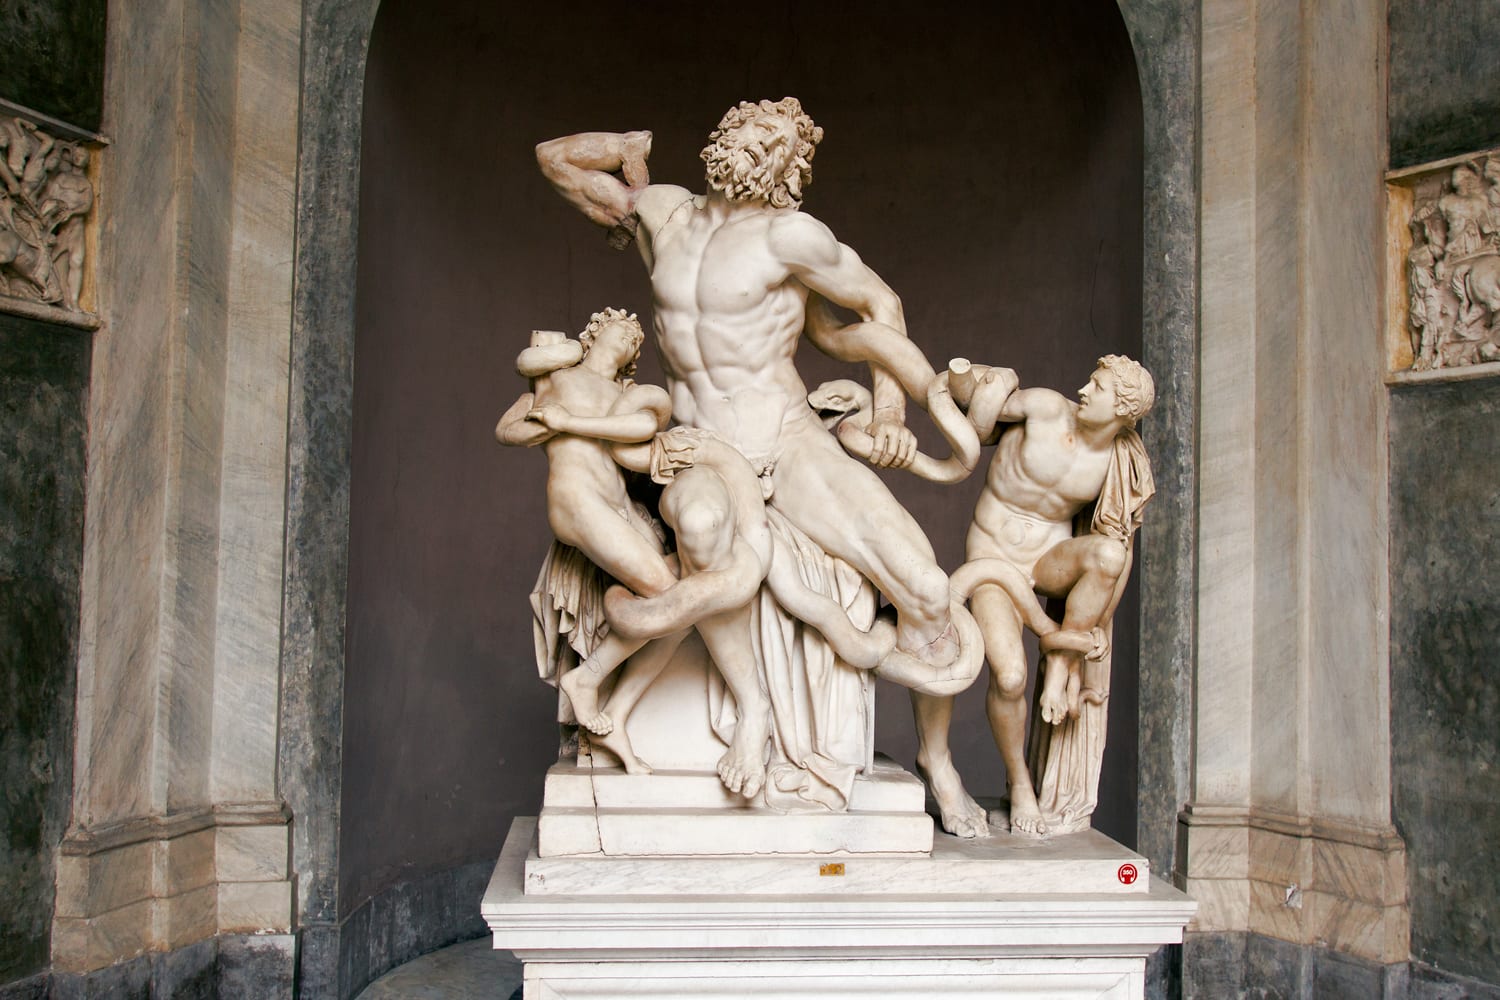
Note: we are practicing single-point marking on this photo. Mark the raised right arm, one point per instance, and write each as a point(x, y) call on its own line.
point(583, 169)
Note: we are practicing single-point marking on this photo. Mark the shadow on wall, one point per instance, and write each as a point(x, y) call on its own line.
point(986, 163)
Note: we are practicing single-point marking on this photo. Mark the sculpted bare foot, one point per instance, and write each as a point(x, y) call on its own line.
point(959, 814)
point(617, 743)
point(1054, 699)
point(1075, 685)
point(1025, 816)
point(743, 767)
point(584, 697)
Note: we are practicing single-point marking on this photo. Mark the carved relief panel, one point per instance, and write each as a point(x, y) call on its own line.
point(1445, 264)
point(48, 173)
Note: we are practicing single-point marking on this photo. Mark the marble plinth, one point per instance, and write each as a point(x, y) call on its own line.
point(881, 929)
point(1087, 862)
point(602, 811)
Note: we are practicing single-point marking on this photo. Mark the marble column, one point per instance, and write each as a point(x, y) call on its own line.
point(179, 832)
point(1288, 834)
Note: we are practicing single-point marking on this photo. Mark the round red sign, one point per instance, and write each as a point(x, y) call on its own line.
point(1128, 874)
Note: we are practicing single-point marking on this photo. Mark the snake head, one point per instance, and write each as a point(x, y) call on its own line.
point(842, 398)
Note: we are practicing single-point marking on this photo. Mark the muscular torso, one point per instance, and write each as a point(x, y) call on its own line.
point(575, 462)
point(729, 315)
point(1042, 475)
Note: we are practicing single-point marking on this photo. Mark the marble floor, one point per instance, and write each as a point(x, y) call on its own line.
point(472, 970)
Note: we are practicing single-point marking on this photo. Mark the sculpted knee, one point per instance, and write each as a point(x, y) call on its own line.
point(1106, 557)
point(929, 591)
point(698, 508)
point(1008, 678)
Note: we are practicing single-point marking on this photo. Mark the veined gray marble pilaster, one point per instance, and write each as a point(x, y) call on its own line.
point(1291, 721)
point(1165, 34)
point(335, 40)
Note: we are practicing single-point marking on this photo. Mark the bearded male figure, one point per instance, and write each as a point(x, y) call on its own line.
point(733, 274)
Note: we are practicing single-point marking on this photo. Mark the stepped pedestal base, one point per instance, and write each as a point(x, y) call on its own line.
point(603, 811)
point(1071, 916)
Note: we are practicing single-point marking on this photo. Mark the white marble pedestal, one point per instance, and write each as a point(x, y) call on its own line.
point(1000, 916)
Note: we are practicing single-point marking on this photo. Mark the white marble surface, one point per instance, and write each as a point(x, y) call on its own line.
point(998, 864)
point(750, 831)
point(898, 979)
point(879, 943)
point(888, 788)
point(607, 812)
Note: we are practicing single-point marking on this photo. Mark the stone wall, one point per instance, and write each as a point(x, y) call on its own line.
point(1444, 78)
point(43, 394)
point(1445, 541)
point(1445, 642)
point(52, 58)
point(52, 61)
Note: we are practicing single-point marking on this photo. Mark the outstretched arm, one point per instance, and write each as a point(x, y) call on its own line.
point(984, 392)
point(583, 169)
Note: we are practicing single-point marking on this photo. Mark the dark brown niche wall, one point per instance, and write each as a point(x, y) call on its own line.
point(985, 161)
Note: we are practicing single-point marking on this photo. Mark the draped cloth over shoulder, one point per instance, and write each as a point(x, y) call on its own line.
point(820, 707)
point(1065, 759)
point(1128, 484)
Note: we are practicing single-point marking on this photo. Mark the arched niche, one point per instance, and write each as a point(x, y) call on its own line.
point(449, 180)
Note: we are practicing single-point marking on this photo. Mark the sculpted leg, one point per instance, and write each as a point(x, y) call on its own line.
point(1005, 702)
point(721, 569)
point(701, 507)
point(845, 508)
point(1088, 571)
point(727, 636)
point(639, 673)
point(626, 549)
point(957, 810)
point(863, 650)
point(581, 684)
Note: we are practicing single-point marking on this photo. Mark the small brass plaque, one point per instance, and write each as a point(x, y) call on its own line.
point(832, 868)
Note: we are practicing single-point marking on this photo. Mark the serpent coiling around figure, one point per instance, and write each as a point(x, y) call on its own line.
point(846, 406)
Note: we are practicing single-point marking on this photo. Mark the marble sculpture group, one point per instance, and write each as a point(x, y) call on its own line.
point(772, 535)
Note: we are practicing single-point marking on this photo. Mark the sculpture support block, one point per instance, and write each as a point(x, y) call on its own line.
point(604, 812)
point(853, 934)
